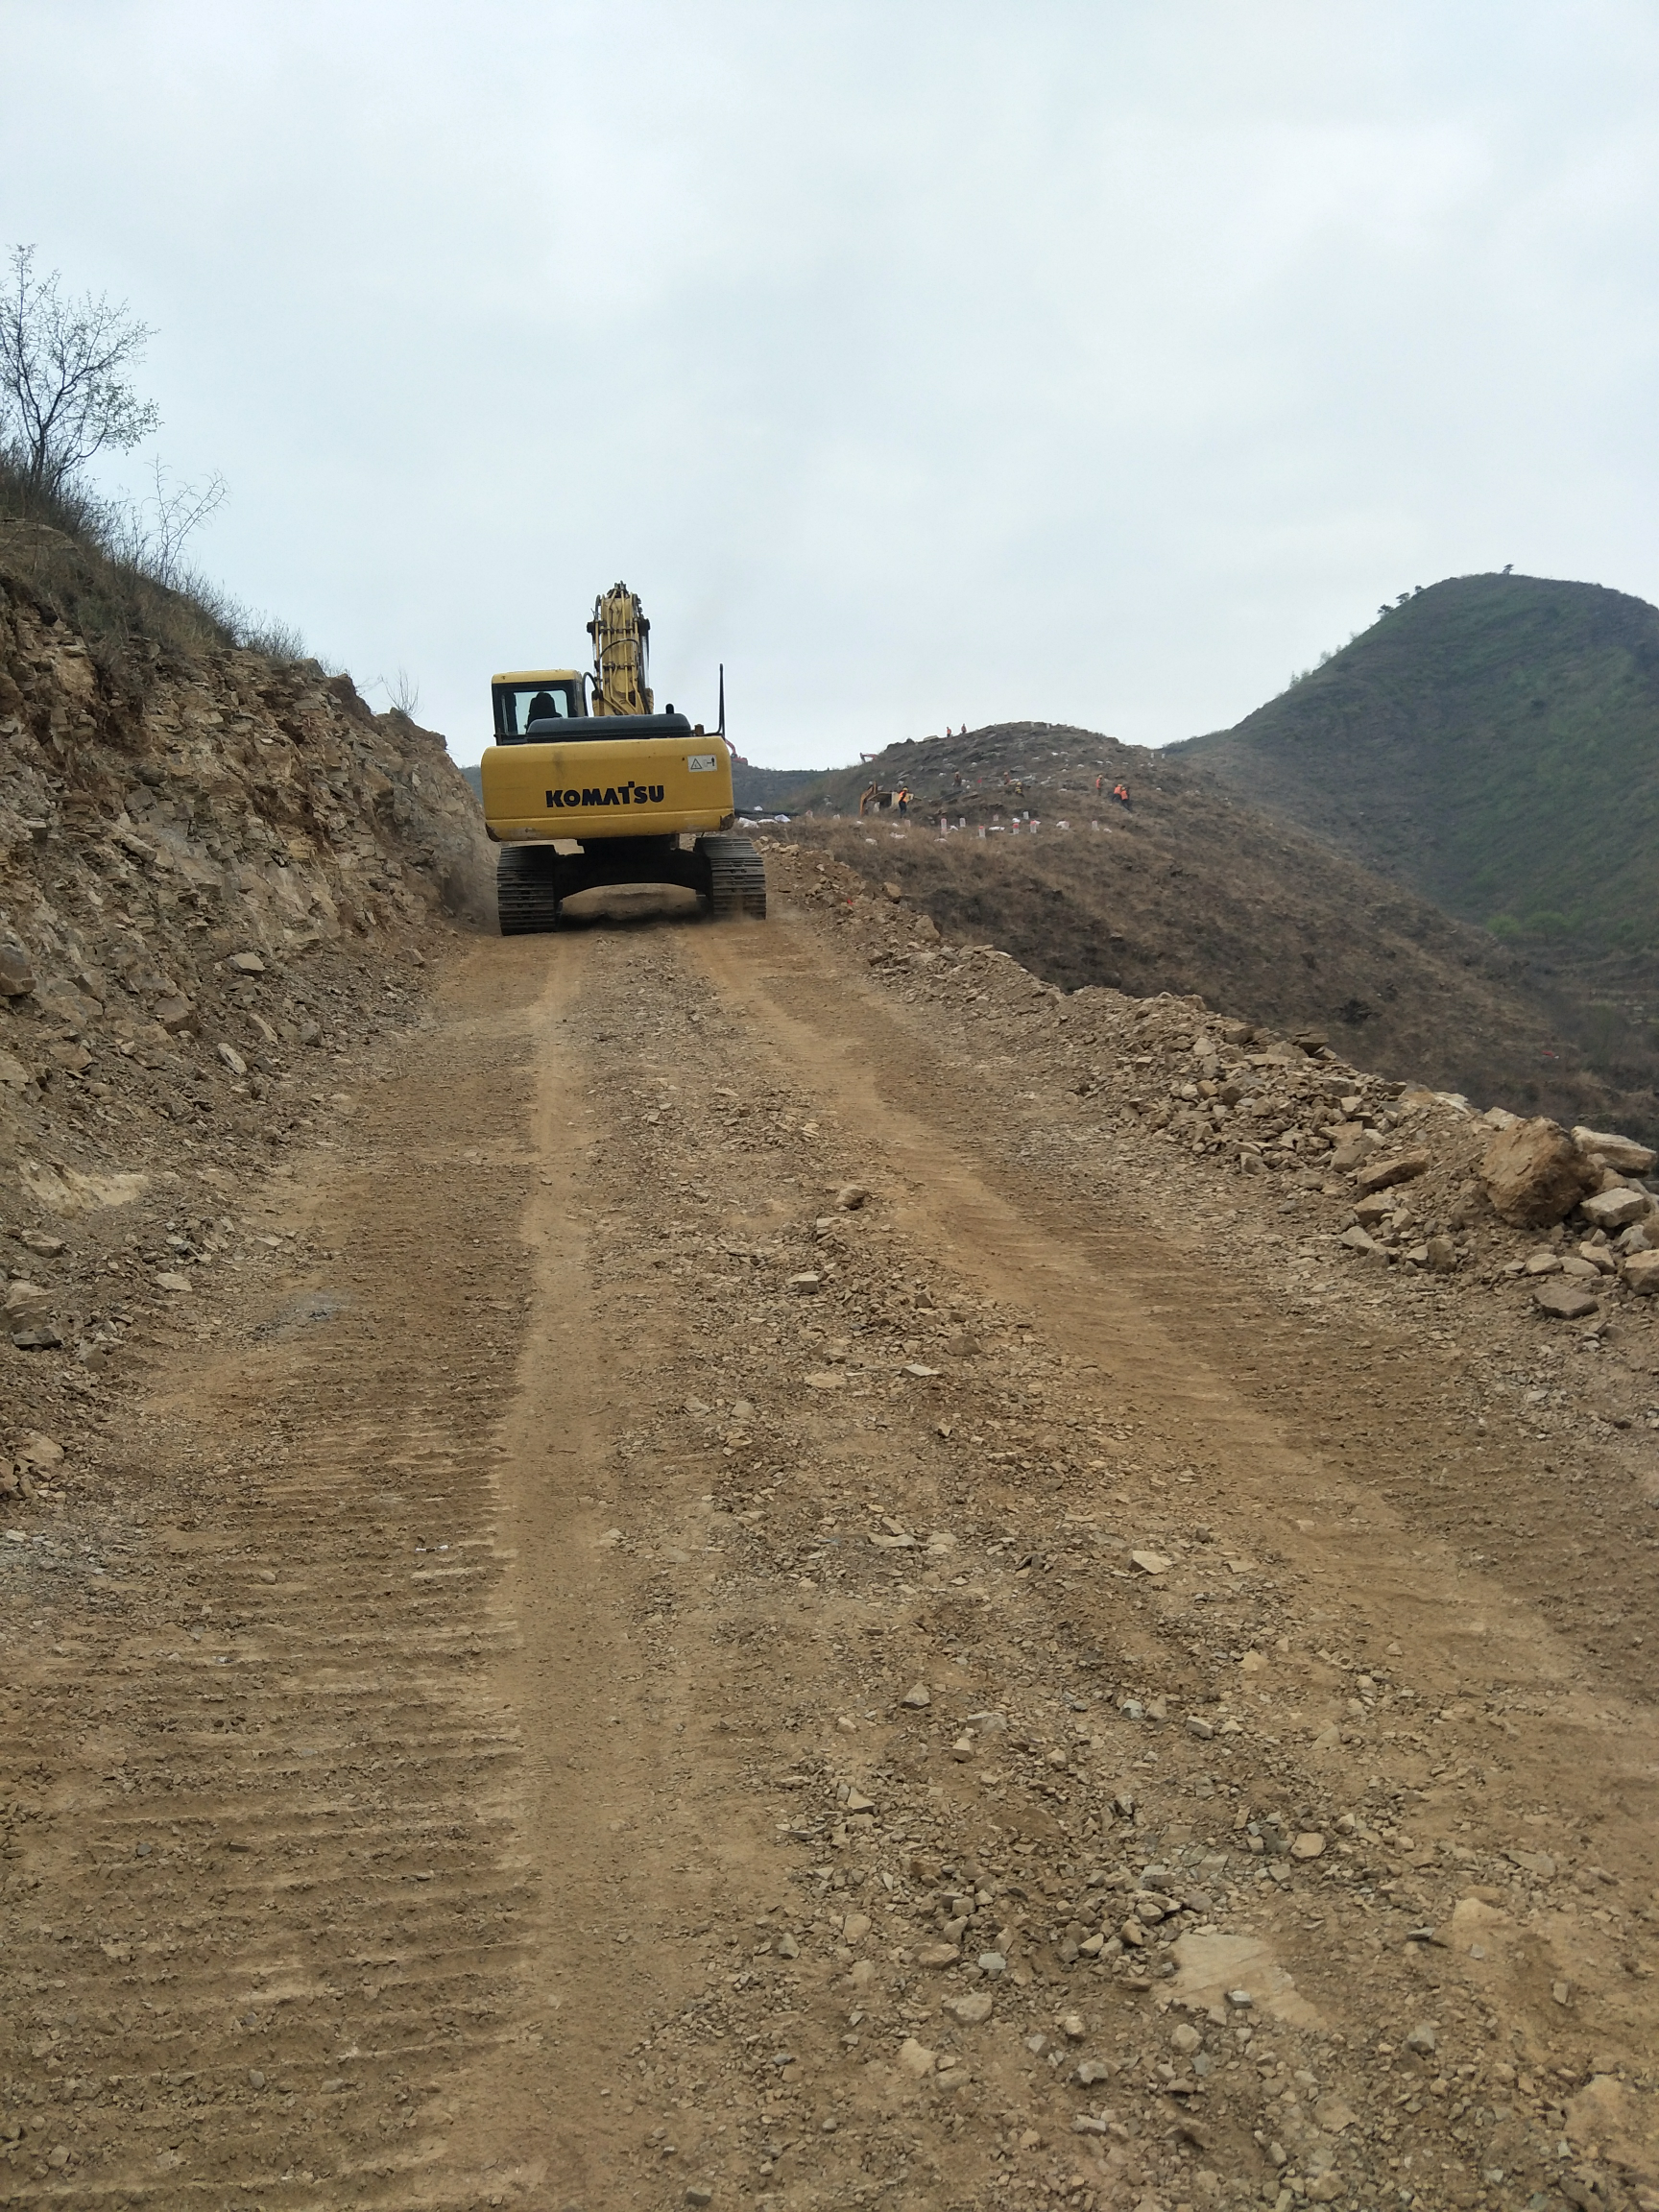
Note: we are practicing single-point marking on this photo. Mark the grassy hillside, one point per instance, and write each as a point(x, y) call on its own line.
point(1493, 741)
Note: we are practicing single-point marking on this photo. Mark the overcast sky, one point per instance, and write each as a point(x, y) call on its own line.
point(1096, 362)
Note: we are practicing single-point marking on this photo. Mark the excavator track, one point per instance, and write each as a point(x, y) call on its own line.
point(737, 879)
point(528, 888)
point(726, 871)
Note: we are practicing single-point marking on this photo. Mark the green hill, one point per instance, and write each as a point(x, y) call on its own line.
point(1493, 741)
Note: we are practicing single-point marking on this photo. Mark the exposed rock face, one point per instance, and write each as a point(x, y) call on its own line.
point(1534, 1174)
point(196, 884)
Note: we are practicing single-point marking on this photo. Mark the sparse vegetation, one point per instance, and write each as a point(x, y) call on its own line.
point(92, 559)
point(65, 391)
point(114, 566)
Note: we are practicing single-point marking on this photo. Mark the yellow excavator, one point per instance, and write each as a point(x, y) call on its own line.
point(587, 785)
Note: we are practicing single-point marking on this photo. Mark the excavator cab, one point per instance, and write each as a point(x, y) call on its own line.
point(534, 695)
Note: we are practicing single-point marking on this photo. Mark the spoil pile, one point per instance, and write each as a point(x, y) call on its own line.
point(1195, 892)
point(1415, 1178)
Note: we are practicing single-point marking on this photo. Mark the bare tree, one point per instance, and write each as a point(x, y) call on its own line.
point(402, 694)
point(152, 532)
point(63, 389)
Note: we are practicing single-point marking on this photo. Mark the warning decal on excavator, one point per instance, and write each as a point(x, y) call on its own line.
point(701, 763)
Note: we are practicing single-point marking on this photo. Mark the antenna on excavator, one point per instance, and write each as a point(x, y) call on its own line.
point(722, 730)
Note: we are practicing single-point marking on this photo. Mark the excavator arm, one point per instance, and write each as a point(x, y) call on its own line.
point(622, 635)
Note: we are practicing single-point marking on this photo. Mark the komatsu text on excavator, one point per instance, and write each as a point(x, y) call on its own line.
point(582, 792)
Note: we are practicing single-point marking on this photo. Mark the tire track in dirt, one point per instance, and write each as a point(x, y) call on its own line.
point(269, 1901)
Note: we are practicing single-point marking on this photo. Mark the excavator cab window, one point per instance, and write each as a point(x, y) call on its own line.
point(518, 705)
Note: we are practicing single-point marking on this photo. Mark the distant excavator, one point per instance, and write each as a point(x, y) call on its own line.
point(632, 796)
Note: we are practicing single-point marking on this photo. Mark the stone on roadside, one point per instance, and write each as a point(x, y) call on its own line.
point(805, 1285)
point(172, 1283)
point(42, 1241)
point(1307, 1845)
point(970, 2011)
point(13, 1076)
point(233, 1060)
point(1072, 2028)
point(917, 1697)
point(938, 1955)
point(175, 1015)
point(246, 963)
point(1564, 1301)
point(1622, 1154)
point(1442, 1256)
point(1613, 1210)
point(42, 1453)
point(1534, 1174)
point(28, 1301)
point(915, 2059)
point(851, 1196)
point(1186, 2039)
point(1149, 1562)
point(1385, 1175)
point(1642, 1272)
point(1423, 2037)
point(893, 891)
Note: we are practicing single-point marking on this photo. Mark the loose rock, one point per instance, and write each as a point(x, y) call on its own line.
point(1534, 1174)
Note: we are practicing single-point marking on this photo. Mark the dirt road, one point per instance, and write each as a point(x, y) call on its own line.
point(613, 1670)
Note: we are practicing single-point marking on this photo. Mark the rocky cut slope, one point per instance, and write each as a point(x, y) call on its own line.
point(211, 879)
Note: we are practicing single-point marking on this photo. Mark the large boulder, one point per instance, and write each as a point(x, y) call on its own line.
point(1534, 1174)
point(1642, 1272)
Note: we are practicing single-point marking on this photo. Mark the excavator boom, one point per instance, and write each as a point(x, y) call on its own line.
point(621, 638)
